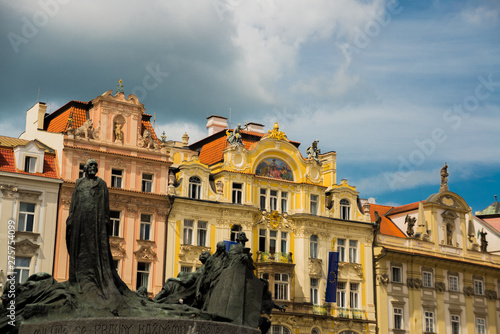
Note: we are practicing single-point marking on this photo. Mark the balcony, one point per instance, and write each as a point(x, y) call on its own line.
point(274, 257)
point(350, 313)
point(319, 310)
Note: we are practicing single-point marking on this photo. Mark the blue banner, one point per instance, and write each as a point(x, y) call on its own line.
point(228, 244)
point(331, 283)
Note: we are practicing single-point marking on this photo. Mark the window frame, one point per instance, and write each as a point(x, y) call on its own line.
point(314, 204)
point(24, 223)
point(147, 183)
point(354, 292)
point(455, 324)
point(237, 193)
point(455, 287)
point(116, 179)
point(30, 164)
point(353, 251)
point(345, 209)
point(201, 233)
point(115, 223)
point(314, 291)
point(194, 187)
point(187, 232)
point(284, 201)
point(398, 317)
point(478, 287)
point(145, 227)
point(341, 249)
point(342, 294)
point(22, 271)
point(313, 246)
point(143, 274)
point(427, 279)
point(480, 325)
point(429, 321)
point(281, 286)
point(400, 274)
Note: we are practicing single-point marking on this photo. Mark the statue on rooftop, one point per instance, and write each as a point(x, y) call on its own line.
point(234, 138)
point(411, 223)
point(484, 243)
point(313, 151)
point(444, 178)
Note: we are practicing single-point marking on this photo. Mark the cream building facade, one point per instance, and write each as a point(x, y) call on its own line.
point(435, 269)
point(29, 188)
point(293, 212)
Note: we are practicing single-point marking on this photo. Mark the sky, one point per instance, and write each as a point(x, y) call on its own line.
point(396, 88)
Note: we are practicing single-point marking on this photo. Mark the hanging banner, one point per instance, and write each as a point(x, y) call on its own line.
point(331, 284)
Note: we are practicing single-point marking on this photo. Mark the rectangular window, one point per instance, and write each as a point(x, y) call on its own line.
point(263, 197)
point(262, 240)
point(353, 251)
point(114, 217)
point(397, 274)
point(455, 324)
point(281, 286)
point(265, 276)
point(284, 202)
point(116, 178)
point(354, 295)
point(427, 279)
point(237, 193)
point(147, 183)
point(429, 321)
point(398, 318)
point(314, 204)
point(188, 231)
point(481, 326)
point(341, 249)
point(341, 300)
point(22, 269)
point(202, 234)
point(142, 275)
point(273, 235)
point(30, 165)
point(145, 233)
point(453, 283)
point(478, 287)
point(186, 269)
point(284, 239)
point(26, 217)
point(81, 173)
point(313, 245)
point(314, 291)
point(273, 200)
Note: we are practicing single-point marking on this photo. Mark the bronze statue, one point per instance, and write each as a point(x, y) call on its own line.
point(88, 229)
point(234, 138)
point(484, 243)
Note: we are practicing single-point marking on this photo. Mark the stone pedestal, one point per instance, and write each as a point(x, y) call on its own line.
point(134, 326)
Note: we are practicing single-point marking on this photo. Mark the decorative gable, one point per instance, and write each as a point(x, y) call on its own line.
point(29, 158)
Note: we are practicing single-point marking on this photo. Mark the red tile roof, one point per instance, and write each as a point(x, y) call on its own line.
point(58, 120)
point(387, 226)
point(211, 148)
point(7, 164)
point(404, 208)
point(494, 222)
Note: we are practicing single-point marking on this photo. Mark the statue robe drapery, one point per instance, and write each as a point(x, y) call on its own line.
point(88, 228)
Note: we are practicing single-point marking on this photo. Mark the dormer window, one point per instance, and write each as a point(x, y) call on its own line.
point(345, 209)
point(194, 187)
point(30, 164)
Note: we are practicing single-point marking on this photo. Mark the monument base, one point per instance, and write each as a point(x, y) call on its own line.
point(134, 326)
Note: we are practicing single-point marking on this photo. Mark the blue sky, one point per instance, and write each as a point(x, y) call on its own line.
point(396, 88)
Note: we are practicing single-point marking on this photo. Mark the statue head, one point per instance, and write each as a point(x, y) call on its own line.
point(242, 237)
point(204, 256)
point(221, 247)
point(90, 168)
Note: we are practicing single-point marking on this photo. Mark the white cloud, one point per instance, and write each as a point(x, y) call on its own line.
point(481, 16)
point(175, 131)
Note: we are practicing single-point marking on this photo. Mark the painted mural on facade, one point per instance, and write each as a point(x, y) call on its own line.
point(274, 168)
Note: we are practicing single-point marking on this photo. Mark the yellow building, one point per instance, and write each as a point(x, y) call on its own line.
point(435, 272)
point(293, 213)
point(29, 188)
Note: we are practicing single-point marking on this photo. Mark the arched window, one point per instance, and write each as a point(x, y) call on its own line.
point(314, 247)
point(277, 329)
point(348, 332)
point(315, 331)
point(194, 187)
point(345, 209)
point(234, 231)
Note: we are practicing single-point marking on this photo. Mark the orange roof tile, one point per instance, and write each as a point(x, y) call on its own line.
point(146, 124)
point(387, 226)
point(58, 120)
point(494, 222)
point(404, 208)
point(7, 164)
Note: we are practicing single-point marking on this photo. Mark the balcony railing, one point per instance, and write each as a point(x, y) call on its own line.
point(350, 313)
point(274, 257)
point(320, 310)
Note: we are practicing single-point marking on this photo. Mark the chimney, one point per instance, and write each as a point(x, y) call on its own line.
point(216, 124)
point(41, 114)
point(255, 127)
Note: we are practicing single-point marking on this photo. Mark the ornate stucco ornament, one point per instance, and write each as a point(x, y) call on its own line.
point(276, 133)
point(275, 220)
